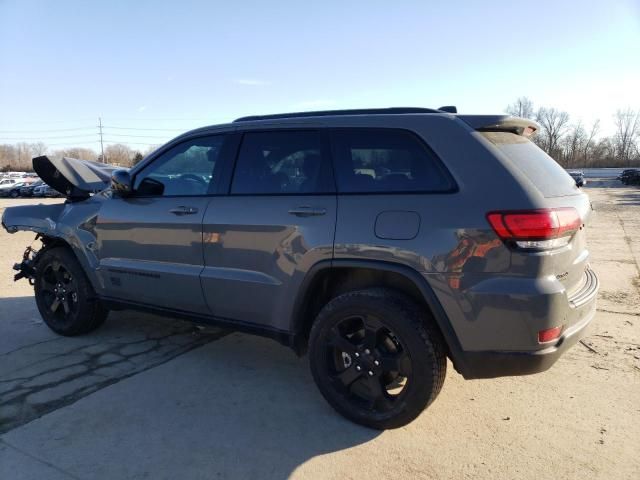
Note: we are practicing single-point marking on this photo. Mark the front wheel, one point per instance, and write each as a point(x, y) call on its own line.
point(377, 357)
point(64, 295)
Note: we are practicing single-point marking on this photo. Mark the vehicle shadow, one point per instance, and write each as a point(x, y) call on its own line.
point(187, 400)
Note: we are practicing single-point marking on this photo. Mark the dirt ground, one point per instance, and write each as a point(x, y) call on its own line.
point(150, 397)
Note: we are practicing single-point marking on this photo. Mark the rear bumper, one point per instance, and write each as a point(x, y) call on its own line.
point(491, 364)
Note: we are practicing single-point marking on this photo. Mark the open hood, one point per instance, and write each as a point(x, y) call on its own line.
point(72, 177)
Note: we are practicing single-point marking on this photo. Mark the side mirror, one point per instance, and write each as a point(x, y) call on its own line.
point(121, 182)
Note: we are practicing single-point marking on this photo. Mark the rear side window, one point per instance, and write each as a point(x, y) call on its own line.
point(543, 171)
point(386, 160)
point(282, 162)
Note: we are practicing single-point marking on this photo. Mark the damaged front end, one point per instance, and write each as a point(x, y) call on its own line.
point(26, 268)
point(69, 223)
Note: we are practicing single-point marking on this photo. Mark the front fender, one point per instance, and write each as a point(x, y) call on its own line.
point(71, 223)
point(35, 218)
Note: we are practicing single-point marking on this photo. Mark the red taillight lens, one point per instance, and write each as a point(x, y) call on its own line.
point(549, 334)
point(535, 224)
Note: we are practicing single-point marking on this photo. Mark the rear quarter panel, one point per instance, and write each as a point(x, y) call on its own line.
point(456, 250)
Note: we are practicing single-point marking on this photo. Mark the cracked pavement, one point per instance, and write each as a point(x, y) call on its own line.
point(152, 397)
point(40, 378)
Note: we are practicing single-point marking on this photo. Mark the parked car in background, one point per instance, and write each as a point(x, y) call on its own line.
point(633, 178)
point(38, 191)
point(27, 189)
point(578, 177)
point(46, 191)
point(10, 189)
point(627, 174)
point(7, 181)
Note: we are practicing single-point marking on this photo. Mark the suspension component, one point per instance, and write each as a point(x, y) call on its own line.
point(26, 267)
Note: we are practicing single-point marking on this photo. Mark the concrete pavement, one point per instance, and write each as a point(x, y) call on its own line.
point(149, 397)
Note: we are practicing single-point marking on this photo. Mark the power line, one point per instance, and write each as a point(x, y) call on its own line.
point(106, 141)
point(49, 130)
point(138, 136)
point(71, 143)
point(48, 138)
point(75, 120)
point(163, 119)
point(131, 143)
point(155, 129)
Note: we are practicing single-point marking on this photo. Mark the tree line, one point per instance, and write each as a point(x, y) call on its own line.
point(575, 145)
point(17, 157)
point(571, 144)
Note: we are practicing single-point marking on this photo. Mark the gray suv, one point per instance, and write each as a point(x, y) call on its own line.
point(381, 241)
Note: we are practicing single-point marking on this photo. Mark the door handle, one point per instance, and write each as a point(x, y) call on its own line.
point(307, 211)
point(184, 210)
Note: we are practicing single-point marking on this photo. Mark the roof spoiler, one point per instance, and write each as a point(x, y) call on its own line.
point(501, 123)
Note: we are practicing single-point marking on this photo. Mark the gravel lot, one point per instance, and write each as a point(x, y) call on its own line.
point(151, 397)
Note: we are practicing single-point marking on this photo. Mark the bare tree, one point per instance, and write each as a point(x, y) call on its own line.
point(590, 140)
point(38, 148)
point(25, 154)
point(627, 124)
point(553, 125)
point(118, 154)
point(522, 107)
point(78, 152)
point(573, 145)
point(8, 156)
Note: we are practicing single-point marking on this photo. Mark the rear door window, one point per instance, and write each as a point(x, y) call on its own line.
point(543, 171)
point(281, 163)
point(371, 160)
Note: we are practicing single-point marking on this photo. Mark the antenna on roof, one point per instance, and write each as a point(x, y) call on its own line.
point(449, 109)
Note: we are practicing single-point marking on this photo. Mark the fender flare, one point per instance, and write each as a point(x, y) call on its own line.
point(439, 314)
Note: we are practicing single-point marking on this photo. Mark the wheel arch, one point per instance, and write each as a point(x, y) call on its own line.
point(333, 277)
point(54, 241)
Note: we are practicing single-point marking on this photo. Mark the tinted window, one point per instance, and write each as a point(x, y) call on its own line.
point(186, 169)
point(282, 163)
point(543, 171)
point(383, 160)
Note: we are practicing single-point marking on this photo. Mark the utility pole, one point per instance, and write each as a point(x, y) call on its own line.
point(104, 160)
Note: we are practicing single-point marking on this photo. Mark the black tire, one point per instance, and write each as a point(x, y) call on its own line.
point(64, 296)
point(14, 194)
point(407, 346)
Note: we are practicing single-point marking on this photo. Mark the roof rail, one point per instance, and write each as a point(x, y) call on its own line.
point(327, 113)
point(449, 109)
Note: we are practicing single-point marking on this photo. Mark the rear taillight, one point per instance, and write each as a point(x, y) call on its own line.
point(536, 229)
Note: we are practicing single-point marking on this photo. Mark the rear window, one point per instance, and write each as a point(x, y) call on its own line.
point(384, 160)
point(544, 172)
point(281, 163)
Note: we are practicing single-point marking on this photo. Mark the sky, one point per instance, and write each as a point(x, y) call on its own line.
point(153, 69)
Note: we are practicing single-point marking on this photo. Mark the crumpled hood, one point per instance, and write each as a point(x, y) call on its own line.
point(72, 177)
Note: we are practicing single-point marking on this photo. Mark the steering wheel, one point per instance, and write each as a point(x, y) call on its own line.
point(193, 177)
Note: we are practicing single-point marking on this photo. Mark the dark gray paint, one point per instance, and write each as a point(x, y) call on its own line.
point(256, 253)
point(245, 257)
point(397, 225)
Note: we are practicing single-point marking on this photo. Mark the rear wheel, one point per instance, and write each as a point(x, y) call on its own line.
point(64, 295)
point(377, 358)
point(14, 194)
